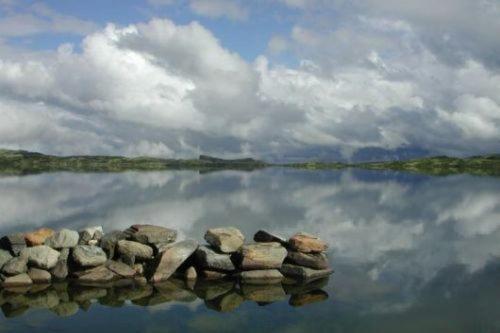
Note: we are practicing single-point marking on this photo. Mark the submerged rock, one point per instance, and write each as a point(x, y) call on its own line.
point(225, 240)
point(209, 259)
point(15, 266)
point(14, 243)
point(266, 276)
point(262, 256)
point(303, 273)
point(39, 275)
point(89, 255)
point(64, 238)
point(311, 260)
point(41, 256)
point(306, 243)
point(134, 249)
point(38, 237)
point(172, 258)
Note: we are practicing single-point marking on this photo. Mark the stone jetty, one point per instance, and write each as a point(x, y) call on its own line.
point(147, 257)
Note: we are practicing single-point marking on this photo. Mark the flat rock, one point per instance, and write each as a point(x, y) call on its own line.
point(64, 238)
point(14, 243)
point(109, 241)
point(208, 258)
point(5, 256)
point(151, 234)
point(311, 260)
point(15, 266)
point(227, 240)
point(304, 273)
point(263, 236)
point(172, 258)
point(306, 243)
point(314, 296)
point(90, 234)
point(121, 269)
point(265, 276)
point(262, 256)
point(17, 280)
point(41, 256)
point(89, 255)
point(134, 249)
point(39, 275)
point(38, 237)
point(99, 274)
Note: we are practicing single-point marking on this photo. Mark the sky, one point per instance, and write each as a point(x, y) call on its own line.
point(273, 79)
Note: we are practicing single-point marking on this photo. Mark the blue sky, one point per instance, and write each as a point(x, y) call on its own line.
point(270, 78)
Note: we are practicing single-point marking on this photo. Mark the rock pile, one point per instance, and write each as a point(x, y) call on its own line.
point(147, 253)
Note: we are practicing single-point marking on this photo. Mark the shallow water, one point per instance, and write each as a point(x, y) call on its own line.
point(410, 253)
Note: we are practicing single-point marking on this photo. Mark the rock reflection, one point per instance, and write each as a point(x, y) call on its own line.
point(66, 299)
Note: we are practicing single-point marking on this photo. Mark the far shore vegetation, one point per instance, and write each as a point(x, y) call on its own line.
point(25, 162)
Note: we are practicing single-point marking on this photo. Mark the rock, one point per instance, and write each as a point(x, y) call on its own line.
point(39, 275)
point(172, 258)
point(64, 254)
point(14, 243)
point(266, 276)
point(138, 268)
point(38, 237)
point(308, 298)
point(121, 269)
point(266, 237)
point(15, 266)
point(109, 241)
point(97, 274)
point(212, 275)
point(151, 234)
point(89, 256)
point(191, 274)
point(65, 238)
point(225, 240)
point(262, 256)
point(209, 259)
point(263, 293)
point(307, 243)
point(311, 260)
point(4, 257)
point(60, 270)
point(90, 234)
point(303, 273)
point(66, 309)
point(134, 249)
point(226, 303)
point(41, 256)
point(17, 280)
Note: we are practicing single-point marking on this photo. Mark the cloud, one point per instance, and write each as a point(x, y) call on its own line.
point(219, 8)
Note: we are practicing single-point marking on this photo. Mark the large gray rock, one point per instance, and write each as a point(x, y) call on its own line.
point(151, 234)
point(41, 256)
point(262, 256)
point(14, 243)
point(39, 275)
point(64, 238)
point(89, 255)
point(4, 257)
point(15, 266)
point(311, 260)
point(227, 240)
point(172, 258)
point(109, 241)
point(121, 269)
point(209, 259)
point(90, 234)
point(134, 249)
point(17, 281)
point(263, 236)
point(264, 276)
point(307, 243)
point(303, 273)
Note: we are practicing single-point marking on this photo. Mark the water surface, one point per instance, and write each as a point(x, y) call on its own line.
point(411, 253)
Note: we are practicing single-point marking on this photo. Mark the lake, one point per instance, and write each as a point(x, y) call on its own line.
point(411, 253)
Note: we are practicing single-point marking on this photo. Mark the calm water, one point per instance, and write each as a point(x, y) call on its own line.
point(411, 253)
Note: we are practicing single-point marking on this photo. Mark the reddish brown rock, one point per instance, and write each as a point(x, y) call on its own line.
point(262, 256)
point(38, 237)
point(307, 243)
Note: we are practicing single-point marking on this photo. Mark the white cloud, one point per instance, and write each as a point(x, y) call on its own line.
point(219, 8)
